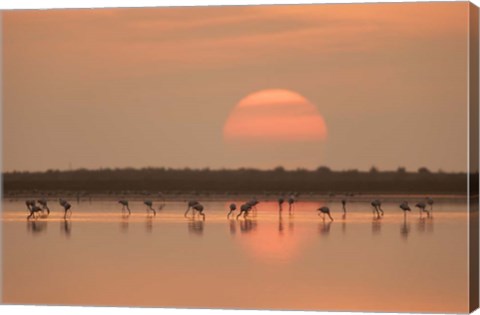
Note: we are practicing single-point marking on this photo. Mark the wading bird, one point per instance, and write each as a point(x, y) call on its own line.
point(43, 203)
point(253, 202)
point(191, 204)
point(66, 206)
point(377, 205)
point(29, 203)
point(344, 204)
point(33, 209)
point(405, 207)
point(149, 205)
point(245, 209)
point(291, 201)
point(430, 203)
point(280, 203)
point(233, 207)
point(325, 211)
point(199, 208)
point(124, 204)
point(422, 207)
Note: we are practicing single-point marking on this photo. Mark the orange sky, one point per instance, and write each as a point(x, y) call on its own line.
point(154, 87)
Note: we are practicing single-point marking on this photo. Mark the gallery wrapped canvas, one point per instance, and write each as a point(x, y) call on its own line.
point(283, 157)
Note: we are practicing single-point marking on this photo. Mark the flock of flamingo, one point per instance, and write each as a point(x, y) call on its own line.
point(244, 209)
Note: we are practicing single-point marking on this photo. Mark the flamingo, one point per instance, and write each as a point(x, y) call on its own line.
point(405, 207)
point(33, 209)
point(430, 203)
point(422, 207)
point(344, 203)
point(198, 207)
point(253, 202)
point(245, 208)
point(149, 205)
point(124, 204)
point(191, 204)
point(325, 211)
point(233, 207)
point(66, 206)
point(377, 205)
point(291, 201)
point(43, 203)
point(280, 203)
point(30, 203)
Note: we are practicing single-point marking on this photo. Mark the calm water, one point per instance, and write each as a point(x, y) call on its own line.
point(293, 262)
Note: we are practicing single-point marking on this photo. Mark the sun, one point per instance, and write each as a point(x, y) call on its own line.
point(274, 115)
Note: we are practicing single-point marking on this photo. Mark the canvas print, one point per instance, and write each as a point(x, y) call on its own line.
point(284, 157)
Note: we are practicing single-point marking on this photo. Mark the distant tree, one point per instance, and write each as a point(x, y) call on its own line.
point(324, 170)
point(373, 170)
point(279, 169)
point(401, 170)
point(423, 170)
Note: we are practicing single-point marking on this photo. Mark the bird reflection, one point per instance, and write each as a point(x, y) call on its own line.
point(66, 227)
point(247, 225)
point(124, 223)
point(425, 224)
point(290, 223)
point(280, 224)
point(324, 228)
point(430, 224)
point(376, 225)
point(149, 224)
point(196, 227)
point(36, 226)
point(405, 230)
point(421, 224)
point(233, 227)
point(344, 223)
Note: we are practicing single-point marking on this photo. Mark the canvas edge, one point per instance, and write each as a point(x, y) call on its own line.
point(1, 154)
point(473, 157)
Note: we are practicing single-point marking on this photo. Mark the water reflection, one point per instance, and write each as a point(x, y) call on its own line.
point(233, 227)
point(376, 225)
point(248, 225)
point(421, 224)
point(124, 223)
point(425, 224)
point(324, 228)
point(196, 227)
point(290, 223)
point(149, 224)
point(405, 230)
point(281, 224)
point(36, 226)
point(66, 227)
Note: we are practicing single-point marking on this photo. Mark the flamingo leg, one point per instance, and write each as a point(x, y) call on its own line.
point(186, 212)
point(331, 219)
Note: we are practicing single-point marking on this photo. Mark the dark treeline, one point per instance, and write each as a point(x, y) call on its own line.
point(322, 180)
